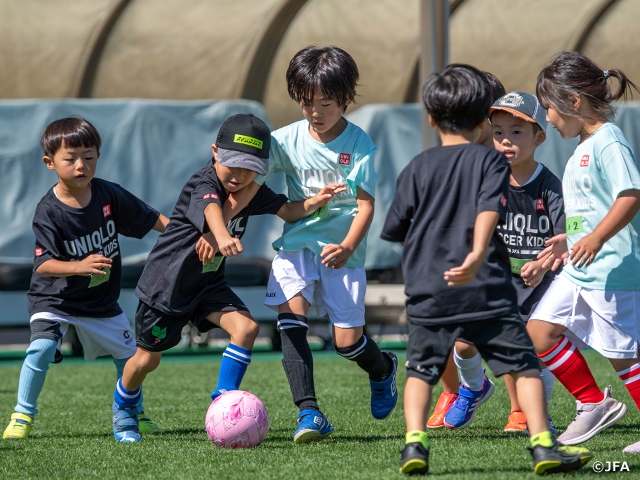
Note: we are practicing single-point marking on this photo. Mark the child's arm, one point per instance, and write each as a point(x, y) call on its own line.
point(161, 224)
point(228, 245)
point(93, 264)
point(336, 256)
point(622, 212)
point(483, 229)
point(294, 211)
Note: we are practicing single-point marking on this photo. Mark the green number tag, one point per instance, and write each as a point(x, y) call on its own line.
point(574, 225)
point(321, 213)
point(99, 279)
point(517, 264)
point(213, 266)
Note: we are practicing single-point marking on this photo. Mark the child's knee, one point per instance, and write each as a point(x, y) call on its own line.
point(465, 350)
point(246, 330)
point(145, 361)
point(41, 352)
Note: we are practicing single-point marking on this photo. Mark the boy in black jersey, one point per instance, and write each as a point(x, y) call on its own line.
point(77, 266)
point(535, 213)
point(184, 281)
point(447, 205)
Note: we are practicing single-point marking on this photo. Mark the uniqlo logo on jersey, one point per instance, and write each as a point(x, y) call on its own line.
point(106, 210)
point(209, 195)
point(38, 252)
point(345, 159)
point(539, 204)
point(584, 161)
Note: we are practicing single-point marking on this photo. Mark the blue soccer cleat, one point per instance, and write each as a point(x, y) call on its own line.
point(313, 426)
point(466, 405)
point(125, 424)
point(384, 395)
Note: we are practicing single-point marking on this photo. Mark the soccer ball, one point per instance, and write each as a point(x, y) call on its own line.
point(237, 419)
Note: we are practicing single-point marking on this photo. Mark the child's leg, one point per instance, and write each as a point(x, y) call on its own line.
point(128, 392)
point(469, 363)
point(629, 372)
point(530, 393)
point(40, 353)
point(449, 379)
point(243, 330)
point(450, 386)
point(417, 402)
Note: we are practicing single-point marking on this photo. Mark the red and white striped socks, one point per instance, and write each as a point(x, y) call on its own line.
point(631, 379)
point(568, 365)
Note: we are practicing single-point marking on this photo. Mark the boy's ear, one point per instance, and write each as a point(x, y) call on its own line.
point(214, 150)
point(48, 162)
point(541, 136)
point(432, 122)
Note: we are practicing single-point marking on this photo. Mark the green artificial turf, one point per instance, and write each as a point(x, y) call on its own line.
point(72, 434)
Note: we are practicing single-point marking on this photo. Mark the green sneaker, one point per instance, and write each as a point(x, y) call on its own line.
point(559, 458)
point(19, 427)
point(146, 425)
point(414, 459)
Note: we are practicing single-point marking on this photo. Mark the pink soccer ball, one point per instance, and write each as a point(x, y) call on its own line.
point(237, 419)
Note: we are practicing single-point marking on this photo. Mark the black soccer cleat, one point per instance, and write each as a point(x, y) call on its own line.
point(559, 458)
point(414, 459)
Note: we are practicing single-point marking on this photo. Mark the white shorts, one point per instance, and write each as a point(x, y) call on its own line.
point(98, 336)
point(338, 294)
point(605, 320)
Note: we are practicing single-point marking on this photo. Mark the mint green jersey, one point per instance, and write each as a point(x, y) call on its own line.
point(601, 168)
point(310, 165)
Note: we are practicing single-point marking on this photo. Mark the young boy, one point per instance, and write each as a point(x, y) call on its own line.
point(77, 266)
point(183, 281)
point(320, 258)
point(447, 204)
point(535, 213)
point(449, 379)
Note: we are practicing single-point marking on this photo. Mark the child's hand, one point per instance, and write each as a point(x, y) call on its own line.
point(532, 273)
point(325, 194)
point(556, 252)
point(230, 246)
point(93, 264)
point(585, 250)
point(466, 272)
point(335, 256)
point(206, 248)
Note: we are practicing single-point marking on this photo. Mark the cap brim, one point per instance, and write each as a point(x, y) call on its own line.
point(235, 159)
point(514, 112)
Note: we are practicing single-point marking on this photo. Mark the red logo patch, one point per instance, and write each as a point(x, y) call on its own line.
point(38, 252)
point(503, 201)
point(209, 195)
point(584, 161)
point(345, 159)
point(539, 204)
point(106, 210)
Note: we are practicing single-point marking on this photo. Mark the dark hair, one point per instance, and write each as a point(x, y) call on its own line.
point(497, 89)
point(457, 98)
point(71, 132)
point(329, 70)
point(574, 73)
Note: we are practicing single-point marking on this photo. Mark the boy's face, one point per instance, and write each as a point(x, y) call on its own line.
point(515, 137)
point(232, 178)
point(324, 117)
point(75, 167)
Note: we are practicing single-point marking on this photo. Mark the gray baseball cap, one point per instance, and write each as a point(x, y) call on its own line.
point(523, 105)
point(243, 142)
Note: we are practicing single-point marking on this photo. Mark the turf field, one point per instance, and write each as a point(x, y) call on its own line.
point(72, 434)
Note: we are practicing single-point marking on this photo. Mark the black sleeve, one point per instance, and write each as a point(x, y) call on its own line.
point(555, 203)
point(203, 194)
point(401, 211)
point(494, 187)
point(133, 217)
point(48, 244)
point(266, 201)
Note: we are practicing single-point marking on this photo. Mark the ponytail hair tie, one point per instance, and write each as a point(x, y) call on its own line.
point(606, 74)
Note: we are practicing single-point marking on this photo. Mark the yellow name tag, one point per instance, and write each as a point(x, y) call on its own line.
point(99, 279)
point(574, 225)
point(213, 266)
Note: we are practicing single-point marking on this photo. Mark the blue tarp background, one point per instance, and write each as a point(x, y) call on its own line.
point(152, 147)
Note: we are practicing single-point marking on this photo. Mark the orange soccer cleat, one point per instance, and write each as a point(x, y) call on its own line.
point(446, 399)
point(517, 422)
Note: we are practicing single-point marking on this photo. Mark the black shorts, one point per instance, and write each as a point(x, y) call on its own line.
point(157, 331)
point(502, 342)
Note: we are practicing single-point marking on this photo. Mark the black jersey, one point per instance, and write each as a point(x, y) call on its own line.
point(71, 234)
point(174, 280)
point(535, 214)
point(438, 197)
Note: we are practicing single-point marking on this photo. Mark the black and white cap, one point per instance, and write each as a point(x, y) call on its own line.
point(523, 105)
point(243, 142)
